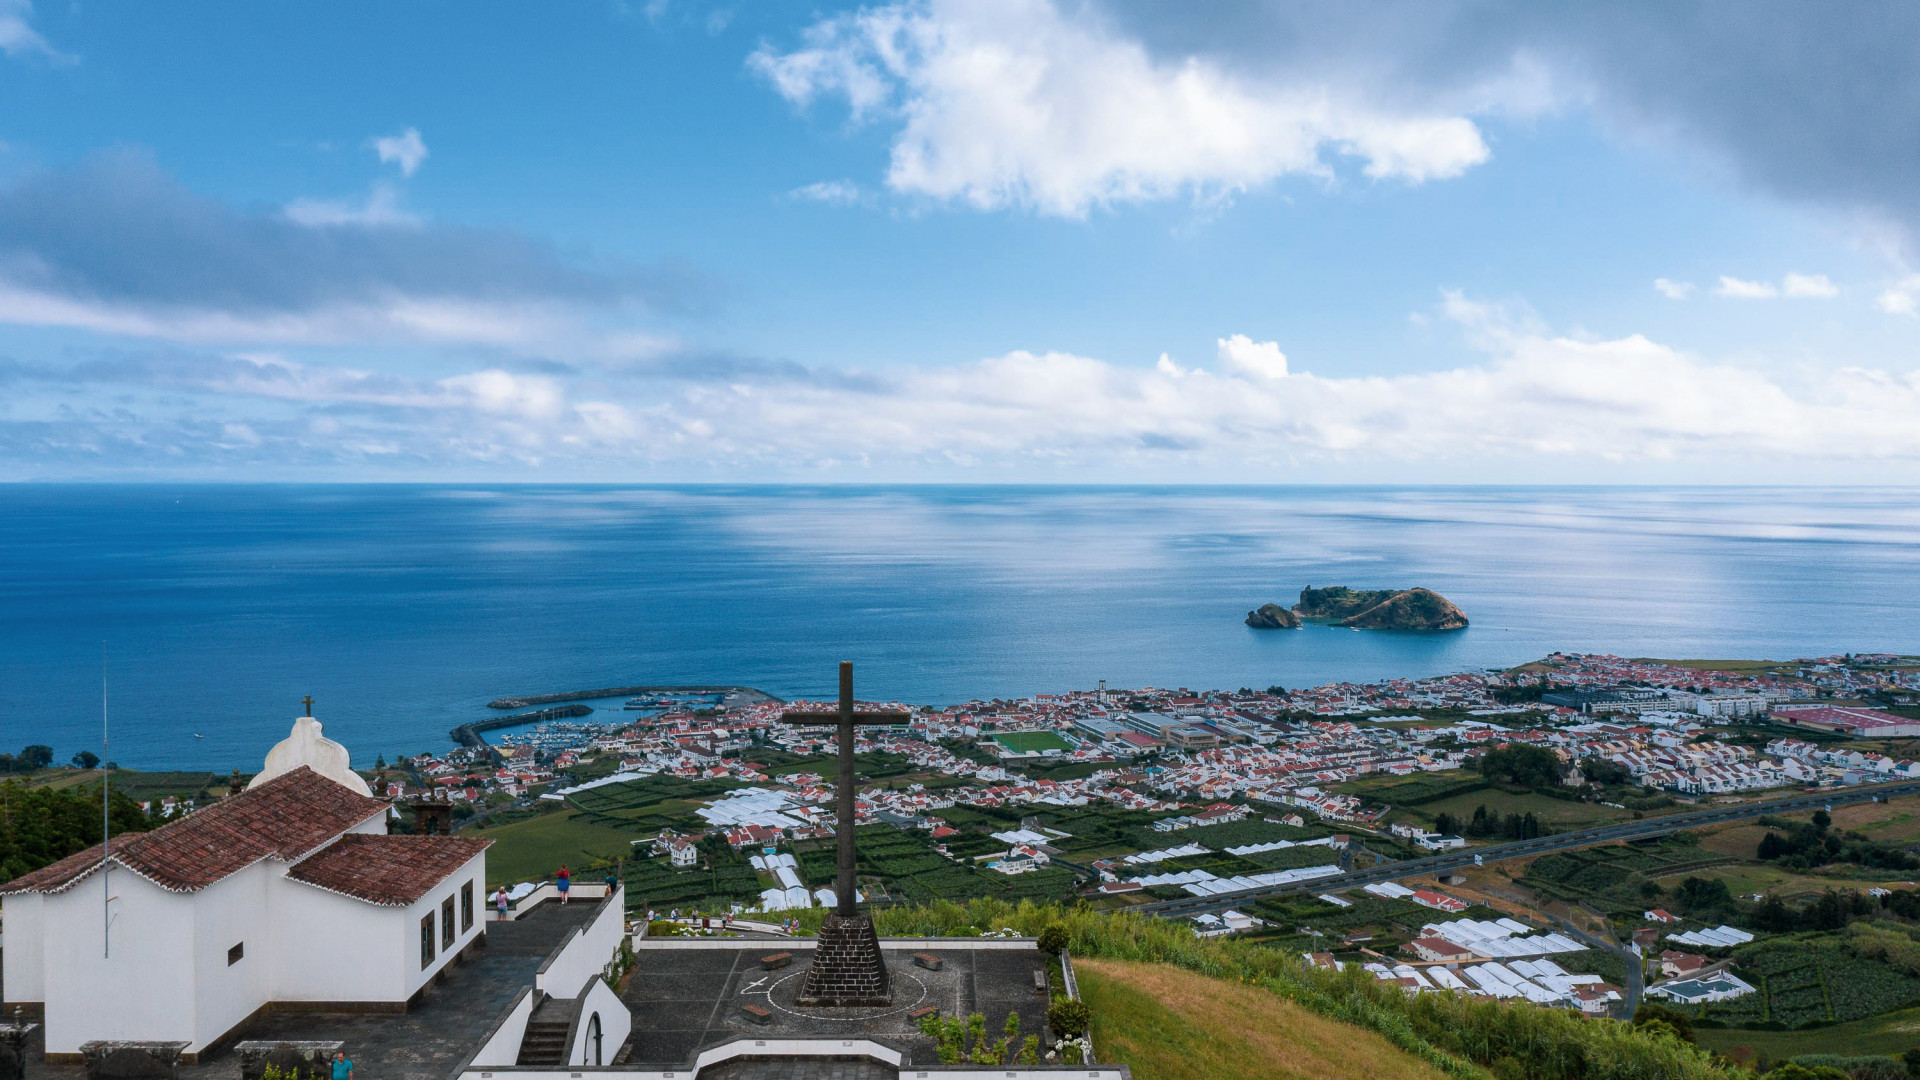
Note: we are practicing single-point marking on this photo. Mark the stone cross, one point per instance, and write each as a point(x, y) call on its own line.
point(846, 717)
point(308, 702)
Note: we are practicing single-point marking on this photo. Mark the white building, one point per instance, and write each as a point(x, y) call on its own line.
point(289, 894)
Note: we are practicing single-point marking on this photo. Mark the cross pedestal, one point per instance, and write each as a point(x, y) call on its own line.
point(847, 967)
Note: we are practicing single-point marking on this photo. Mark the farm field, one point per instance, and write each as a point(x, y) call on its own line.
point(1171, 1024)
point(1889, 1033)
point(1032, 742)
point(531, 850)
point(1750, 878)
point(1614, 874)
point(1559, 815)
point(1896, 821)
point(1809, 982)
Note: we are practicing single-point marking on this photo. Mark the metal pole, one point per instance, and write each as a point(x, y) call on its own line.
point(106, 820)
point(844, 879)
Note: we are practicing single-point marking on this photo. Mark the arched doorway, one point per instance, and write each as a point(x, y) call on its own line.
point(593, 1037)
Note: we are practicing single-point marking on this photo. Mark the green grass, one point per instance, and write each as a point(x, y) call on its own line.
point(1170, 1024)
point(1469, 1038)
point(1889, 1033)
point(532, 850)
point(1032, 742)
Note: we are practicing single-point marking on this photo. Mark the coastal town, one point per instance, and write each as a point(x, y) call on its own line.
point(1588, 833)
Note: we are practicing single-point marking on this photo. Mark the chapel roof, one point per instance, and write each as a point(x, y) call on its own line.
point(284, 818)
point(380, 869)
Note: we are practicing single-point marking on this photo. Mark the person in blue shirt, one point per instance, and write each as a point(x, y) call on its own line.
point(342, 1066)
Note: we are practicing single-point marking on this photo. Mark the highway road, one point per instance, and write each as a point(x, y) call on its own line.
point(1627, 830)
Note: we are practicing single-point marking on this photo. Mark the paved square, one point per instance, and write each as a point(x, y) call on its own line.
point(684, 1000)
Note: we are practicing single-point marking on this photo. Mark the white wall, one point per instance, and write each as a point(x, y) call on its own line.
point(24, 972)
point(503, 1046)
point(586, 955)
point(233, 911)
point(475, 871)
point(128, 995)
point(615, 1024)
point(335, 948)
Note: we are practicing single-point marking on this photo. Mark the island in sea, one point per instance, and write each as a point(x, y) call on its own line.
point(1362, 609)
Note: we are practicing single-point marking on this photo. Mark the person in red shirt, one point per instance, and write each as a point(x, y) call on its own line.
point(563, 879)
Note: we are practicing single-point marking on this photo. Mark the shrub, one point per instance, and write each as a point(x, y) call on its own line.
point(1053, 939)
point(1068, 1017)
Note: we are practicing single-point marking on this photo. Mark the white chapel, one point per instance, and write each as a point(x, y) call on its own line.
point(290, 894)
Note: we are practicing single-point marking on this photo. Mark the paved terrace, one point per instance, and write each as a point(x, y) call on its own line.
point(429, 1041)
point(684, 1000)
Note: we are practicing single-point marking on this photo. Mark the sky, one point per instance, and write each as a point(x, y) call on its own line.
point(1406, 241)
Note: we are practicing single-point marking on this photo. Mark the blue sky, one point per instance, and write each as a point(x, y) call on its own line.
point(1037, 240)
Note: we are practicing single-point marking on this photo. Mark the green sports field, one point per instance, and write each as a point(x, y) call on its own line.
point(1032, 742)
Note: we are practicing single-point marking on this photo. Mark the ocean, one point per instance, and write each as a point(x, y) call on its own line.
point(404, 609)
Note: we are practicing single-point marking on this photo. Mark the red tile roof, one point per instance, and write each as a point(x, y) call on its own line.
point(394, 870)
point(284, 818)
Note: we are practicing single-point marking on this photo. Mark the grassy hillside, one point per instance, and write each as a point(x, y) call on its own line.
point(1170, 1024)
point(1464, 1037)
point(533, 849)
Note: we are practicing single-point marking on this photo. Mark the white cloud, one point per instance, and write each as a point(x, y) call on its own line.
point(1013, 103)
point(1902, 297)
point(1808, 286)
point(831, 192)
point(381, 209)
point(1746, 290)
point(1262, 359)
point(19, 38)
point(1792, 286)
point(1674, 290)
point(406, 150)
point(503, 393)
point(1537, 401)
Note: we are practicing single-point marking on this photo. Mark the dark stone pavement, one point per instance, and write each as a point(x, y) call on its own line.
point(684, 1000)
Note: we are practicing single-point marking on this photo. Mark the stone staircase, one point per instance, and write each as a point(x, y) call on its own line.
point(545, 1041)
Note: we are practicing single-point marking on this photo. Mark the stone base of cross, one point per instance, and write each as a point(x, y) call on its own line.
point(847, 967)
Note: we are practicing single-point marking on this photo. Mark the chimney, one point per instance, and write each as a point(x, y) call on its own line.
point(234, 786)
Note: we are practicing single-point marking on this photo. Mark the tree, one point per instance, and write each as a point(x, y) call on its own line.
point(1772, 846)
point(1700, 896)
point(1053, 939)
point(1652, 1012)
point(1912, 1060)
point(86, 759)
point(39, 826)
point(36, 756)
point(1602, 771)
point(1526, 766)
point(1822, 820)
point(1793, 1070)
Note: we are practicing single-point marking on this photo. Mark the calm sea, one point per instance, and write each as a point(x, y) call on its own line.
point(404, 609)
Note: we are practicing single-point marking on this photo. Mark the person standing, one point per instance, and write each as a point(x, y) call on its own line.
point(500, 902)
point(342, 1066)
point(564, 881)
